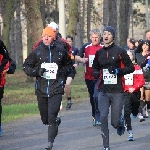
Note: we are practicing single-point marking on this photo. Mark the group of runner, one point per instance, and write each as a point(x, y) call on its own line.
point(115, 77)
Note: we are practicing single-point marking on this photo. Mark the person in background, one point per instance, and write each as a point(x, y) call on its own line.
point(86, 56)
point(4, 67)
point(131, 47)
point(110, 64)
point(47, 63)
point(70, 76)
point(147, 35)
point(133, 82)
point(142, 60)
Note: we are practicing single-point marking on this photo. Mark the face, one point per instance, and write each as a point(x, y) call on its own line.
point(69, 41)
point(136, 44)
point(95, 38)
point(145, 48)
point(47, 40)
point(130, 55)
point(148, 35)
point(107, 38)
point(130, 45)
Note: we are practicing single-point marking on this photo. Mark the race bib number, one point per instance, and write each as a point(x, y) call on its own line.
point(51, 70)
point(109, 78)
point(128, 79)
point(91, 58)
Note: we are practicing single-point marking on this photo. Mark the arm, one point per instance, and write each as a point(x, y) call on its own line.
point(127, 65)
point(96, 67)
point(31, 66)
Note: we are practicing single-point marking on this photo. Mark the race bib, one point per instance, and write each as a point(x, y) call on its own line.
point(51, 70)
point(128, 79)
point(109, 78)
point(91, 58)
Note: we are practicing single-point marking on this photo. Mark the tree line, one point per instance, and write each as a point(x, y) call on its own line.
point(22, 21)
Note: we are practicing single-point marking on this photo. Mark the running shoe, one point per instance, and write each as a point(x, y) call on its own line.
point(94, 122)
point(98, 123)
point(68, 106)
point(130, 138)
point(121, 127)
point(58, 121)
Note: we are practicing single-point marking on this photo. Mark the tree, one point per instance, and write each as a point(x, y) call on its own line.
point(34, 19)
point(73, 18)
point(124, 20)
point(9, 11)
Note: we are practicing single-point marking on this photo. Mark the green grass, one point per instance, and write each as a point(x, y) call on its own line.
point(19, 97)
point(17, 111)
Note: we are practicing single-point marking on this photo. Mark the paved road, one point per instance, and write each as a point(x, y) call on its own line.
point(75, 133)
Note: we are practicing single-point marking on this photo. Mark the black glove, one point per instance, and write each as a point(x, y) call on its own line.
point(96, 74)
point(113, 71)
point(41, 71)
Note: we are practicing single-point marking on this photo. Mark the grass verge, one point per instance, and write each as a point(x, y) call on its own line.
point(19, 97)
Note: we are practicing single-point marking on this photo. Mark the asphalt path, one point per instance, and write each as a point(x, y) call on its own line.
point(76, 132)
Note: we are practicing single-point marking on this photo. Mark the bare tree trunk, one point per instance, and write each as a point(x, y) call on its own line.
point(18, 43)
point(34, 18)
point(73, 18)
point(42, 9)
point(7, 21)
point(112, 5)
point(125, 10)
point(12, 40)
point(89, 7)
point(105, 13)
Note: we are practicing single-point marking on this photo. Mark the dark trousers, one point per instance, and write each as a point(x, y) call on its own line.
point(105, 100)
point(49, 108)
point(131, 105)
point(90, 85)
point(1, 96)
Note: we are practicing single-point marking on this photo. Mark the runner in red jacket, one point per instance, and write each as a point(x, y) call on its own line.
point(133, 82)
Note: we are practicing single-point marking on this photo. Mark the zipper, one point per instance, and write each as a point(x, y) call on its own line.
point(50, 60)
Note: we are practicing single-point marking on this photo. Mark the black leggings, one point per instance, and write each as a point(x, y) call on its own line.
point(1, 96)
point(131, 105)
point(49, 108)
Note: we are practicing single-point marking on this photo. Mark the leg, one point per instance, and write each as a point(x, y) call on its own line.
point(68, 92)
point(1, 96)
point(116, 108)
point(43, 108)
point(136, 103)
point(90, 85)
point(103, 106)
point(95, 97)
point(53, 109)
point(127, 110)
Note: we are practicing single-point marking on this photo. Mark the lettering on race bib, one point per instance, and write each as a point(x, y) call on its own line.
point(51, 70)
point(109, 78)
point(91, 58)
point(128, 79)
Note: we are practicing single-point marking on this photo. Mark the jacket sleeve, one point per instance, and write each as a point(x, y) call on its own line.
point(31, 66)
point(67, 64)
point(96, 67)
point(126, 64)
point(141, 81)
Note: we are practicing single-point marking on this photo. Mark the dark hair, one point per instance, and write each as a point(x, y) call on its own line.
point(70, 37)
point(147, 31)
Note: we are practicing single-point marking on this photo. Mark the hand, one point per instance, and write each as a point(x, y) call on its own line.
point(113, 71)
point(41, 71)
point(84, 60)
point(148, 62)
point(75, 65)
point(131, 90)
